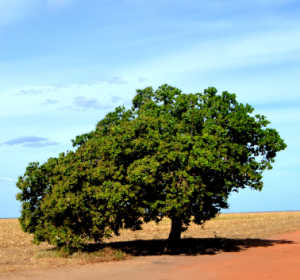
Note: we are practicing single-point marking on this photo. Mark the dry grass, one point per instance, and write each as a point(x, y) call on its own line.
point(244, 225)
point(17, 252)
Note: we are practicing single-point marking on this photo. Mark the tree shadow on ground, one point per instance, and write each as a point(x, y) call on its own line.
point(188, 246)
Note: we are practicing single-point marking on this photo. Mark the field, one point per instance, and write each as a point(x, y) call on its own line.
point(227, 232)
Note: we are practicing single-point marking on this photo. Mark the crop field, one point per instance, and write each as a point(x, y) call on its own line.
point(225, 232)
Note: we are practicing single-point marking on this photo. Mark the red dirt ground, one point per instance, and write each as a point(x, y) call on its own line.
point(280, 261)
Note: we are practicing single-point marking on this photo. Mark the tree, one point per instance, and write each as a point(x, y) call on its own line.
point(172, 155)
point(72, 200)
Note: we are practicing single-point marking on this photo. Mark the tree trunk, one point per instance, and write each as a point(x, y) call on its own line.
point(174, 236)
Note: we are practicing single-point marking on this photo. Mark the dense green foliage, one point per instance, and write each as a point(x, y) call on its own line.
point(171, 155)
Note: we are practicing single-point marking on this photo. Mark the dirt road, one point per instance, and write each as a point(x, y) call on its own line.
point(279, 261)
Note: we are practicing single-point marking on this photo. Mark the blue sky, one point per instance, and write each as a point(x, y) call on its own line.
point(64, 64)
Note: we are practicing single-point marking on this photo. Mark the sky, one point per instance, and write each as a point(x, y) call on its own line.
point(64, 64)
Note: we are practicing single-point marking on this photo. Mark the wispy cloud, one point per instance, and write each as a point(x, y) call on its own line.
point(141, 79)
point(89, 84)
point(112, 80)
point(115, 99)
point(6, 179)
point(228, 51)
point(89, 102)
point(13, 10)
point(49, 102)
point(25, 139)
point(116, 81)
point(59, 3)
point(31, 142)
point(63, 108)
point(40, 144)
point(28, 91)
point(58, 86)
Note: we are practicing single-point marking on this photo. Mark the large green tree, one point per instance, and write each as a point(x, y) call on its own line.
point(171, 155)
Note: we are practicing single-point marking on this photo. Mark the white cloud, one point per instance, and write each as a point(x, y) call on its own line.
point(6, 179)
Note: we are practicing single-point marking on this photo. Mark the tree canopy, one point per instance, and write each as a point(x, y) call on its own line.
point(171, 155)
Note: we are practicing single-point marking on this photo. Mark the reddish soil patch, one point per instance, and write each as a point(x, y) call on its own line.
point(276, 258)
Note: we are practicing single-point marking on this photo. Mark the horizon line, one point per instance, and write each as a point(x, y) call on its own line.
point(219, 213)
